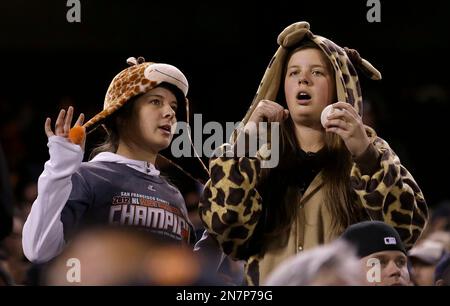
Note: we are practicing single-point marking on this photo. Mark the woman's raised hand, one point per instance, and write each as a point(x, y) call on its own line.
point(63, 125)
point(347, 123)
point(269, 111)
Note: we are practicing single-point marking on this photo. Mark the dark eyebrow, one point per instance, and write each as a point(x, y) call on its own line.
point(312, 66)
point(154, 95)
point(381, 256)
point(162, 97)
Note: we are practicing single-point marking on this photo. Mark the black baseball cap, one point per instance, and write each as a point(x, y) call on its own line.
point(373, 236)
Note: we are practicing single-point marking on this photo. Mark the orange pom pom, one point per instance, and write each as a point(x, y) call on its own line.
point(76, 134)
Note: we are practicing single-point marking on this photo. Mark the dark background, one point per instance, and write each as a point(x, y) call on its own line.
point(223, 47)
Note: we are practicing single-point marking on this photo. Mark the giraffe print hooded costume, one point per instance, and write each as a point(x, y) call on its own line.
point(231, 207)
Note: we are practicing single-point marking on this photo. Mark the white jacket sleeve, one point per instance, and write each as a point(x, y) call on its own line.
point(43, 235)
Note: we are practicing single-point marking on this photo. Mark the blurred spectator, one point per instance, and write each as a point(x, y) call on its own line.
point(17, 262)
point(334, 264)
point(441, 237)
point(106, 257)
point(379, 246)
point(5, 276)
point(439, 220)
point(442, 273)
point(440, 217)
point(424, 258)
point(119, 256)
point(6, 198)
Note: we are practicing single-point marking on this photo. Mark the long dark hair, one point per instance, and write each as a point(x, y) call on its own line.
point(111, 124)
point(280, 191)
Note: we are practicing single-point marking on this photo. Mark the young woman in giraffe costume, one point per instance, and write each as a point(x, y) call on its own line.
point(330, 174)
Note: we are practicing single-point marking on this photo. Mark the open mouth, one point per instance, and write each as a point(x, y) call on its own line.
point(302, 95)
point(166, 128)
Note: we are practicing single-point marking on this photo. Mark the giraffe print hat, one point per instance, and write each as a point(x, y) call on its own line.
point(343, 61)
point(137, 79)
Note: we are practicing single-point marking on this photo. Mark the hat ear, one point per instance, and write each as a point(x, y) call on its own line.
point(362, 64)
point(131, 61)
point(293, 34)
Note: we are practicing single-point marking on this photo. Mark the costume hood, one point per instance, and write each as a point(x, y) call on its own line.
point(343, 61)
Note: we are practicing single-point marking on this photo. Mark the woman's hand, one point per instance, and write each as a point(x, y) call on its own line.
point(268, 111)
point(63, 124)
point(347, 123)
